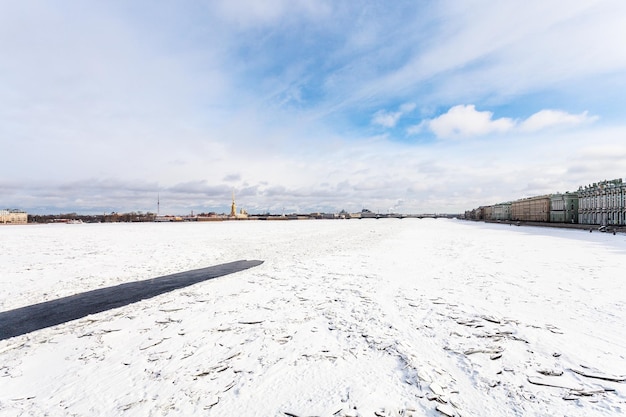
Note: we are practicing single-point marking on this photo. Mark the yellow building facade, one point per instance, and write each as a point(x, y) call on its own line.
point(532, 209)
point(13, 217)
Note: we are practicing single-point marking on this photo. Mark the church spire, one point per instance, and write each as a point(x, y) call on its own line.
point(233, 207)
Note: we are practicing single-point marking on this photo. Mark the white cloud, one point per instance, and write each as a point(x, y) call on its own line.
point(464, 121)
point(416, 129)
point(407, 107)
point(499, 50)
point(390, 119)
point(386, 119)
point(554, 118)
point(251, 12)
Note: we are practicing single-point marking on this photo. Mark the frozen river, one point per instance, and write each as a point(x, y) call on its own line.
point(358, 317)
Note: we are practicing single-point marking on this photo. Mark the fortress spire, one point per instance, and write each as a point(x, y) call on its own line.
point(233, 207)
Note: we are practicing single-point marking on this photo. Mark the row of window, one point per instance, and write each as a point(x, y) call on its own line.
point(599, 202)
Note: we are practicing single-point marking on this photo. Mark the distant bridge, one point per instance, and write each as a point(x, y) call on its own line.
point(429, 216)
point(407, 216)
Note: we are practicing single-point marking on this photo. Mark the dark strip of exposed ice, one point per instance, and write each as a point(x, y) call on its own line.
point(50, 313)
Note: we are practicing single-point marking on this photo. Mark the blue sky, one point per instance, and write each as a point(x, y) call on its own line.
point(302, 106)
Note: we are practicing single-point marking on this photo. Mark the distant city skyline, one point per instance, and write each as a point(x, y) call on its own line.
point(300, 106)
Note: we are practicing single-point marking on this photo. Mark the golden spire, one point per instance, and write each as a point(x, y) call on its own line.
point(233, 207)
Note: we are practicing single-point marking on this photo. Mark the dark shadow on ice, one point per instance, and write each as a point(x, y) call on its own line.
point(50, 313)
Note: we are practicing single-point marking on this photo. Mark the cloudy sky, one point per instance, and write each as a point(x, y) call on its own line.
point(307, 105)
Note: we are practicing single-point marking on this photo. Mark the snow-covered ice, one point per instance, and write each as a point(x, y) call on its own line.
point(387, 317)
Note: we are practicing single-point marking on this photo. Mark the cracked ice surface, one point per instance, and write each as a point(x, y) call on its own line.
point(348, 318)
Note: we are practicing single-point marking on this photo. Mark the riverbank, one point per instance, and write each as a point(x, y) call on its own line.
point(592, 227)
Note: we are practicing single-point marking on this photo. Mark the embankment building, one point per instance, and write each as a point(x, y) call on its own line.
point(532, 209)
point(13, 217)
point(603, 203)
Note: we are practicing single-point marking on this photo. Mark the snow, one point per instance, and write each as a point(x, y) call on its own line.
point(387, 317)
